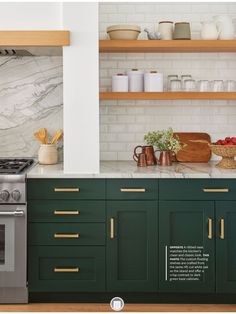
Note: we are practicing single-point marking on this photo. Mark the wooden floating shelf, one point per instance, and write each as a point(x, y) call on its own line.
point(34, 38)
point(167, 46)
point(168, 96)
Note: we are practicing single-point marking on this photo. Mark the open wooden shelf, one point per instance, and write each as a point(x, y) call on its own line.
point(168, 96)
point(167, 46)
point(34, 38)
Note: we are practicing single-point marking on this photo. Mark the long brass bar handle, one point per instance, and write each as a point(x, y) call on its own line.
point(222, 229)
point(66, 270)
point(66, 189)
point(226, 190)
point(210, 229)
point(112, 228)
point(66, 236)
point(66, 212)
point(133, 190)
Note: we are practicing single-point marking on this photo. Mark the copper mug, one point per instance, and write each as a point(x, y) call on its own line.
point(165, 158)
point(142, 160)
point(148, 151)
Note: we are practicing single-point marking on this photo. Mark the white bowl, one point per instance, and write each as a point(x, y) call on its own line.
point(123, 32)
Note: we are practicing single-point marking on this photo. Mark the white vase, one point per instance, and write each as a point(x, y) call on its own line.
point(225, 26)
point(209, 31)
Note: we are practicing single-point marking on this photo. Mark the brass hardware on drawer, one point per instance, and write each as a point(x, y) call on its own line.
point(66, 189)
point(112, 231)
point(66, 270)
point(66, 212)
point(216, 190)
point(66, 235)
point(210, 228)
point(222, 229)
point(133, 190)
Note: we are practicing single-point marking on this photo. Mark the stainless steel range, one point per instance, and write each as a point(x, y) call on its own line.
point(13, 227)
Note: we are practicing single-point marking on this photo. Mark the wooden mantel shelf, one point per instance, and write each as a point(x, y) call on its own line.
point(37, 38)
point(168, 96)
point(167, 46)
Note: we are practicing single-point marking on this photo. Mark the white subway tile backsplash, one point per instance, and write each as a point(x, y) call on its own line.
point(124, 123)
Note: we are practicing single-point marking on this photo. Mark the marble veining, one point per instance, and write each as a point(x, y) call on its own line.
point(31, 96)
point(128, 169)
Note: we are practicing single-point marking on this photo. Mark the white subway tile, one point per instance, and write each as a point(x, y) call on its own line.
point(117, 147)
point(108, 156)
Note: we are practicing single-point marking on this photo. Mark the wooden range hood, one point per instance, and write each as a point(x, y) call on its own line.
point(57, 38)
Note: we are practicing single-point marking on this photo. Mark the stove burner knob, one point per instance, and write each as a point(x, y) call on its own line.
point(4, 195)
point(15, 194)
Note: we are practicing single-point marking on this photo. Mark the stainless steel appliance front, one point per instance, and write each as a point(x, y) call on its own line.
point(13, 285)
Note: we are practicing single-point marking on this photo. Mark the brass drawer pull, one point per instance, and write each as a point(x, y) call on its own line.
point(112, 228)
point(133, 190)
point(210, 228)
point(66, 189)
point(66, 235)
point(66, 212)
point(222, 229)
point(66, 270)
point(216, 190)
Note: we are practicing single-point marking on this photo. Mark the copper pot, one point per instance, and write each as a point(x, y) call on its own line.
point(149, 153)
point(165, 158)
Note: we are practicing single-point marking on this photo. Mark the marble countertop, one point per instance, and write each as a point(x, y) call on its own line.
point(128, 169)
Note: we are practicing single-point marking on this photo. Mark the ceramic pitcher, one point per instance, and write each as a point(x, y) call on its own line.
point(225, 26)
point(209, 30)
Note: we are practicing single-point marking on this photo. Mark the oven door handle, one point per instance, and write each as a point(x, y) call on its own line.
point(15, 213)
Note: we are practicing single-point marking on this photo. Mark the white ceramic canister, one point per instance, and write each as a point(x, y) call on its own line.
point(136, 80)
point(153, 82)
point(120, 83)
point(165, 28)
point(47, 154)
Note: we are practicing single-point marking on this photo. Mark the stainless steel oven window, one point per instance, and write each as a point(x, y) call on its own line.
point(7, 244)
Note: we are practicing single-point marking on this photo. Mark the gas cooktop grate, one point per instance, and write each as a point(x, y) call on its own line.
point(14, 166)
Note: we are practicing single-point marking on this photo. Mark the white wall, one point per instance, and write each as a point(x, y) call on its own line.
point(123, 123)
point(30, 15)
point(81, 100)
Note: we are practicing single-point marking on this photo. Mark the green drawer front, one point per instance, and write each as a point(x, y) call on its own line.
point(197, 189)
point(66, 189)
point(66, 269)
point(66, 234)
point(132, 189)
point(66, 211)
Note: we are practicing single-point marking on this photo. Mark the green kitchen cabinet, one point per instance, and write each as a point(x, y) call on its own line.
point(132, 241)
point(226, 246)
point(186, 233)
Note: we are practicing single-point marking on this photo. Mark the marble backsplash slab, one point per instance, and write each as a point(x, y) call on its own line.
point(31, 97)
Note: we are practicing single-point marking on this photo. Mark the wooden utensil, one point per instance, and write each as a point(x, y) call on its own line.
point(57, 136)
point(196, 148)
point(42, 136)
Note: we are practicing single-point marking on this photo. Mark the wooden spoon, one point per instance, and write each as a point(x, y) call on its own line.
point(57, 136)
point(42, 136)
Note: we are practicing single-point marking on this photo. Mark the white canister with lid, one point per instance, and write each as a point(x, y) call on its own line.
point(120, 83)
point(136, 80)
point(153, 82)
point(165, 28)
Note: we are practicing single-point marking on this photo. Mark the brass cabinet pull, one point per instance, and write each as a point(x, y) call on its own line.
point(66, 270)
point(138, 190)
point(66, 235)
point(112, 228)
point(222, 229)
point(66, 212)
point(216, 190)
point(66, 189)
point(210, 228)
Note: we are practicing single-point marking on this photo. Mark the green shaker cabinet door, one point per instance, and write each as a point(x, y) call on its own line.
point(132, 242)
point(226, 246)
point(186, 247)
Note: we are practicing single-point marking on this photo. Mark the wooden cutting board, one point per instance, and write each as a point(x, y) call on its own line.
point(193, 151)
